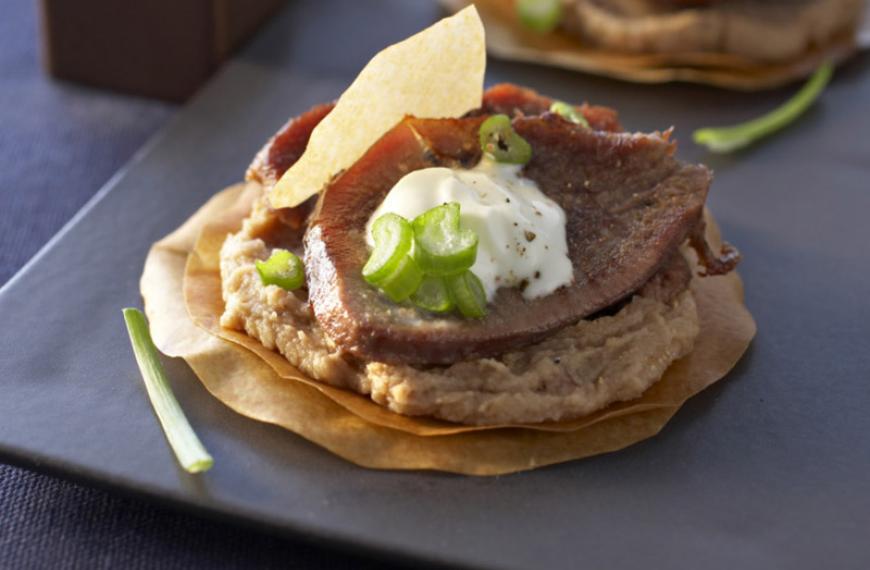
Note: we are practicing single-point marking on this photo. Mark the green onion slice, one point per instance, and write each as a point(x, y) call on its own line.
point(727, 139)
point(541, 16)
point(499, 141)
point(403, 281)
point(283, 268)
point(432, 295)
point(569, 113)
point(187, 447)
point(467, 292)
point(393, 237)
point(442, 247)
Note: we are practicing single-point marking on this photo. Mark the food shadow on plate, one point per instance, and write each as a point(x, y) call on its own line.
point(222, 429)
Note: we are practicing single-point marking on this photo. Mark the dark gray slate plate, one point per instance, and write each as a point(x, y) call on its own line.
point(769, 469)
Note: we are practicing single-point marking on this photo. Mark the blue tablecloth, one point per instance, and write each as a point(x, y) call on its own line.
point(59, 144)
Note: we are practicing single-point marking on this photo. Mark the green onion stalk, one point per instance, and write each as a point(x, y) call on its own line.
point(188, 449)
point(728, 139)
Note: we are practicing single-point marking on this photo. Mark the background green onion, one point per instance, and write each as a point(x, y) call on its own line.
point(541, 16)
point(727, 139)
point(188, 449)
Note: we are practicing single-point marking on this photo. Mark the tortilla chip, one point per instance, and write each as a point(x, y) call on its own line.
point(436, 73)
point(508, 39)
point(262, 385)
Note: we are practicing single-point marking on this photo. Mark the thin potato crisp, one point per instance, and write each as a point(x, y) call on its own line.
point(436, 73)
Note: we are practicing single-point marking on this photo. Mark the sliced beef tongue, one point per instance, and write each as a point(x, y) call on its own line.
point(629, 205)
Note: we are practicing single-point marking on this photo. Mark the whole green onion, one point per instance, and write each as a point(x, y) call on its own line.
point(442, 247)
point(188, 449)
point(569, 113)
point(283, 268)
point(727, 139)
point(500, 141)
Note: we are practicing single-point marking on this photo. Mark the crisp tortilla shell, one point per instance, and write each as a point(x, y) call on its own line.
point(182, 291)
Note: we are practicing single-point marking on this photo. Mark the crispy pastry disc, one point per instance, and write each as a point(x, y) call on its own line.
point(508, 39)
point(182, 291)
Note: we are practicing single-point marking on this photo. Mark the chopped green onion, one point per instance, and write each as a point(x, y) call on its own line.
point(393, 238)
point(403, 281)
point(283, 268)
point(188, 449)
point(727, 139)
point(467, 292)
point(499, 141)
point(390, 266)
point(541, 16)
point(442, 247)
point(569, 113)
point(432, 295)
point(411, 260)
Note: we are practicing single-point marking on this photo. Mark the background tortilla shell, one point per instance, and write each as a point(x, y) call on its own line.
point(508, 39)
point(181, 288)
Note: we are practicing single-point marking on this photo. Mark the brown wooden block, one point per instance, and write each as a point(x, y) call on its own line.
point(155, 48)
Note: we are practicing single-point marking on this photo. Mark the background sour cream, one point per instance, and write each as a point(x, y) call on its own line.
point(521, 231)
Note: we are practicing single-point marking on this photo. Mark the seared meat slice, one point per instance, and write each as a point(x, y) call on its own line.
point(629, 205)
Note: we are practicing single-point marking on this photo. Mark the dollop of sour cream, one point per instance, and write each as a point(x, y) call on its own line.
point(521, 232)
